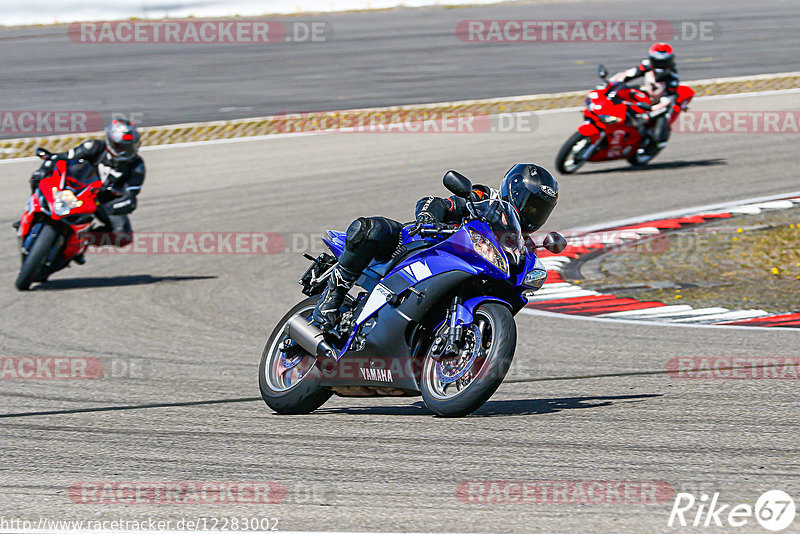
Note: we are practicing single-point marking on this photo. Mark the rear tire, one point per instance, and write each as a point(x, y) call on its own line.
point(307, 394)
point(34, 261)
point(640, 160)
point(496, 362)
point(566, 160)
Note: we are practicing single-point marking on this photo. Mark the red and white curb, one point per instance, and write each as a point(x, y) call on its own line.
point(560, 297)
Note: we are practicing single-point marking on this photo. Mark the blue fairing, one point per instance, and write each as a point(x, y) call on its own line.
point(531, 263)
point(454, 254)
point(335, 241)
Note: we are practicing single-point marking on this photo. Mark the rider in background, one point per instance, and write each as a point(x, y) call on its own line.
point(531, 189)
point(120, 168)
point(661, 84)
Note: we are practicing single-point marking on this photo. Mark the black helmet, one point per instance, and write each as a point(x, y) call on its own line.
point(662, 57)
point(533, 191)
point(122, 139)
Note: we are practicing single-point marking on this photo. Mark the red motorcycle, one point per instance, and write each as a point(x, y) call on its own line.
point(52, 230)
point(613, 126)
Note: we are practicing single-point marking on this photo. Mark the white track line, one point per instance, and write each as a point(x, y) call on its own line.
point(731, 315)
point(577, 293)
point(648, 312)
point(657, 324)
point(708, 208)
point(695, 312)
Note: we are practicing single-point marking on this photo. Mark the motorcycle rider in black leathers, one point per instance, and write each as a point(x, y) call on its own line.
point(530, 188)
point(661, 84)
point(122, 170)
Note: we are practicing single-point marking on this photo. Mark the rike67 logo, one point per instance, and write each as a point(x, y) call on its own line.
point(774, 510)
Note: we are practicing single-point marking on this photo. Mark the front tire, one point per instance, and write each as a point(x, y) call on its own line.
point(567, 160)
point(33, 263)
point(297, 389)
point(496, 339)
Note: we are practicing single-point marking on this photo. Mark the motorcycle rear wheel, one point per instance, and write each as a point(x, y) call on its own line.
point(641, 159)
point(34, 262)
point(497, 342)
point(296, 390)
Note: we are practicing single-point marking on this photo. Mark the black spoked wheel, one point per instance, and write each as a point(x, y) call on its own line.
point(644, 154)
point(457, 386)
point(568, 160)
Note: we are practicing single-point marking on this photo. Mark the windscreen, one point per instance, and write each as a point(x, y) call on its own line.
point(80, 173)
point(502, 218)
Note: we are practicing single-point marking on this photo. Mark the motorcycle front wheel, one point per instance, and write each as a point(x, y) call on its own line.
point(457, 386)
point(33, 263)
point(567, 160)
point(290, 383)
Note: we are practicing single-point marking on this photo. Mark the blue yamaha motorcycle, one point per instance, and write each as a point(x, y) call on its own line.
point(436, 320)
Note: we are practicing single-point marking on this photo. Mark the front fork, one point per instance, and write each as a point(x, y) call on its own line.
point(451, 344)
point(591, 149)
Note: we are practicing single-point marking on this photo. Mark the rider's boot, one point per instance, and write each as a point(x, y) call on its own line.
point(80, 259)
point(15, 225)
point(326, 315)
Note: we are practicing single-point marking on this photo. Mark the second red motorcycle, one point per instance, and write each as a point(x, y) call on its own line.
point(52, 231)
point(614, 125)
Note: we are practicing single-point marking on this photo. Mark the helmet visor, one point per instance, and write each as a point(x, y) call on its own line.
point(122, 150)
point(535, 212)
point(662, 62)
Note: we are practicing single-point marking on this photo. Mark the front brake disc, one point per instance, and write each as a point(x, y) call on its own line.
point(448, 370)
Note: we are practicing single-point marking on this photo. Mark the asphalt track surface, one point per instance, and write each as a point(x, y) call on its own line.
point(379, 58)
point(193, 327)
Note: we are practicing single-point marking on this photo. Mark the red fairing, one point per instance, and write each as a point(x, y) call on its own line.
point(85, 193)
point(46, 186)
point(685, 94)
point(26, 220)
point(589, 130)
point(75, 244)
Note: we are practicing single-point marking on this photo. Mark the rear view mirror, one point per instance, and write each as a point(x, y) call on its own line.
point(458, 184)
point(554, 242)
point(602, 72)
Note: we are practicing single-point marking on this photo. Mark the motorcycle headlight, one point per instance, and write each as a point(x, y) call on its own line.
point(534, 279)
point(608, 119)
point(64, 201)
point(488, 251)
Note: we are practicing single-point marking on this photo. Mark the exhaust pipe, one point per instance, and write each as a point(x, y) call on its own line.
point(309, 337)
